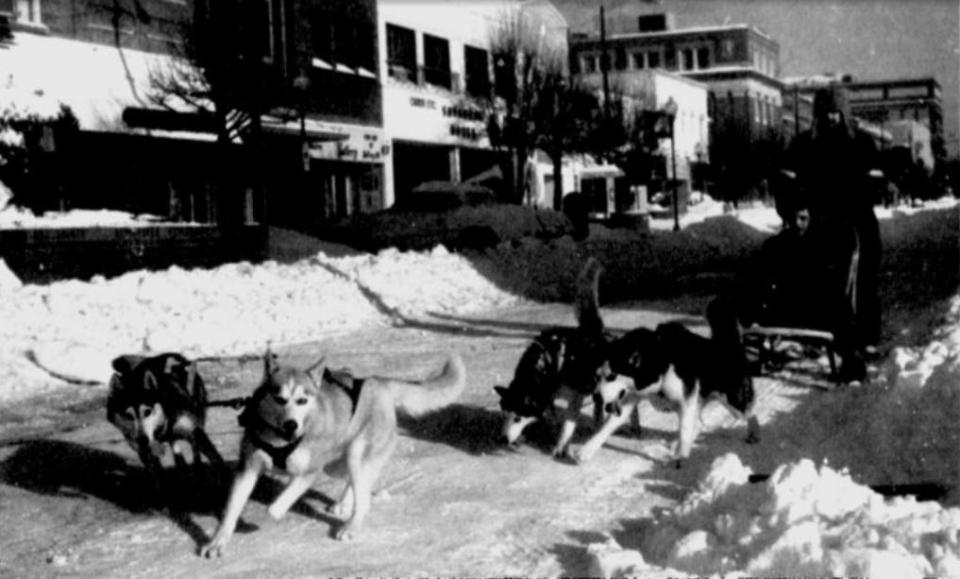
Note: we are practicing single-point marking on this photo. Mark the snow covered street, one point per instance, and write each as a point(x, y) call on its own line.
point(455, 502)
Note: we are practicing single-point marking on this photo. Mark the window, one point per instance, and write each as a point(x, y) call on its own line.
point(653, 59)
point(341, 41)
point(703, 58)
point(686, 59)
point(621, 59)
point(28, 11)
point(638, 60)
point(259, 14)
point(436, 61)
point(590, 64)
point(401, 53)
point(321, 37)
point(476, 66)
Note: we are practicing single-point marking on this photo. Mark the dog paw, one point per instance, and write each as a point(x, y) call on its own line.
point(214, 548)
point(581, 455)
point(276, 513)
point(345, 533)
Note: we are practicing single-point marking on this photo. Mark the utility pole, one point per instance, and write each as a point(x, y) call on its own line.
point(604, 66)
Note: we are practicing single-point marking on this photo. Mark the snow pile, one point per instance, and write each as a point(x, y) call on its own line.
point(14, 217)
point(72, 329)
point(803, 521)
point(412, 283)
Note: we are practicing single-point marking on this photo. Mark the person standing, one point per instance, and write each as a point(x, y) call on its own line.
point(832, 163)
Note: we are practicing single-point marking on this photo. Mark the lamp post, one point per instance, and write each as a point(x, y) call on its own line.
point(302, 84)
point(670, 109)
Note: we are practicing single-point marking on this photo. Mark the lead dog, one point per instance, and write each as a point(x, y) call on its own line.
point(157, 402)
point(304, 421)
point(686, 369)
point(560, 364)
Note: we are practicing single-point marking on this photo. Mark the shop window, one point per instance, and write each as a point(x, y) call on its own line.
point(28, 11)
point(621, 59)
point(589, 64)
point(653, 59)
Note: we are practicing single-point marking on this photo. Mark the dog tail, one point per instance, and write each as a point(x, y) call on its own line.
point(587, 306)
point(418, 398)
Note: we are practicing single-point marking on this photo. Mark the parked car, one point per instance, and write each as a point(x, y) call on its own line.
point(445, 195)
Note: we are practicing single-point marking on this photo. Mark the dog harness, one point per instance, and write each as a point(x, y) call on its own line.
point(350, 385)
point(249, 419)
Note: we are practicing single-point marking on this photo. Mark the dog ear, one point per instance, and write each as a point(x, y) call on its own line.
point(269, 362)
point(126, 363)
point(500, 390)
point(150, 382)
point(315, 370)
point(173, 362)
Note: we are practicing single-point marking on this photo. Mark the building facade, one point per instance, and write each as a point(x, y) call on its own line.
point(311, 69)
point(439, 85)
point(738, 64)
point(897, 107)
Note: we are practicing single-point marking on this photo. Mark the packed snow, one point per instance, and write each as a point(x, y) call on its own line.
point(805, 521)
point(808, 519)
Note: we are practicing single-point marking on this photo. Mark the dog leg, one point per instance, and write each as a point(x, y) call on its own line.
point(361, 491)
point(689, 417)
point(154, 472)
point(613, 422)
point(635, 420)
point(293, 491)
point(206, 447)
point(345, 505)
point(240, 492)
point(574, 407)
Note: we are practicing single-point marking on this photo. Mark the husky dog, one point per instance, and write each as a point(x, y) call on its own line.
point(304, 421)
point(560, 364)
point(686, 369)
point(160, 401)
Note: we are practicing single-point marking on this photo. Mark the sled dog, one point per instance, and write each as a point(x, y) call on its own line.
point(160, 401)
point(304, 421)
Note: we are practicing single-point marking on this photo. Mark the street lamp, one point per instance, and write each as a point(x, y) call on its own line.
point(302, 84)
point(670, 109)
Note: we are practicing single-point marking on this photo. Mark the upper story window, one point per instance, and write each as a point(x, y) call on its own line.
point(686, 59)
point(639, 62)
point(401, 53)
point(476, 64)
point(341, 41)
point(703, 58)
point(436, 61)
point(262, 15)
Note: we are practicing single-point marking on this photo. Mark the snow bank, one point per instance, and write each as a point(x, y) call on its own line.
point(71, 329)
point(804, 521)
point(15, 217)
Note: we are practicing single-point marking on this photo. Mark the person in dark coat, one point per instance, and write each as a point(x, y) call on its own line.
point(832, 163)
point(799, 279)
